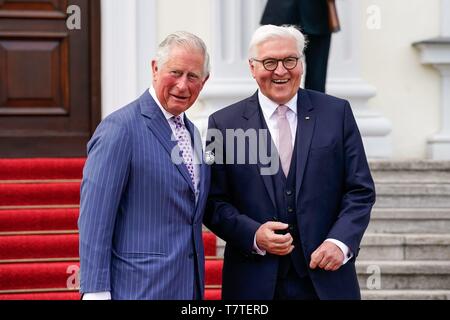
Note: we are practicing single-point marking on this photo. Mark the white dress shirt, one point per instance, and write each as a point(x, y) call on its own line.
point(106, 295)
point(269, 109)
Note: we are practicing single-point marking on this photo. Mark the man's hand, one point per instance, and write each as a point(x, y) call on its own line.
point(278, 244)
point(328, 257)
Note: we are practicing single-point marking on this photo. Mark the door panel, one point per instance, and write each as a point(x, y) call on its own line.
point(33, 8)
point(49, 78)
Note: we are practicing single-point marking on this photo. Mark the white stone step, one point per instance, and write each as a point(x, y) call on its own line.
point(409, 165)
point(426, 171)
point(405, 294)
point(405, 247)
point(410, 220)
point(420, 195)
point(410, 275)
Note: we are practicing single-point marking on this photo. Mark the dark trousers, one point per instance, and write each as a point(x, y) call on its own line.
point(316, 55)
point(292, 287)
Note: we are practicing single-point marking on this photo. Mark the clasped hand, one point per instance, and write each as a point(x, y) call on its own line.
point(328, 256)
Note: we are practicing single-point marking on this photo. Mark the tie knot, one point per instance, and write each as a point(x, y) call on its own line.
point(177, 120)
point(282, 109)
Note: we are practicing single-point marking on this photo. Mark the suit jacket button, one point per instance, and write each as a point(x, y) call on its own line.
point(290, 209)
point(289, 192)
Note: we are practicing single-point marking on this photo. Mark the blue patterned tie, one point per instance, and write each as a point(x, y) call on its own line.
point(184, 143)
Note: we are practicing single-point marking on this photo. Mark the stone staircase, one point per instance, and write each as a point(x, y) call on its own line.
point(405, 253)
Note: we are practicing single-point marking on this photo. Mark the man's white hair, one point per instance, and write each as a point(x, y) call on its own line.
point(271, 32)
point(182, 39)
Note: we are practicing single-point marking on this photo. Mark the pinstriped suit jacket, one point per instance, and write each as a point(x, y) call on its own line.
point(140, 226)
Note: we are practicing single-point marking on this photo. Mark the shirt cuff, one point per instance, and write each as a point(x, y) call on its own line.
point(106, 295)
point(345, 250)
point(256, 249)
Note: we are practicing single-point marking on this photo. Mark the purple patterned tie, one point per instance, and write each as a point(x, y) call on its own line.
point(284, 139)
point(184, 143)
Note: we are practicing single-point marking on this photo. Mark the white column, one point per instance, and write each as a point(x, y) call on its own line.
point(344, 80)
point(233, 24)
point(445, 97)
point(445, 18)
point(147, 41)
point(128, 44)
point(436, 52)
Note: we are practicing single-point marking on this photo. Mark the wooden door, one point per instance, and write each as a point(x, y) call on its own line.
point(49, 77)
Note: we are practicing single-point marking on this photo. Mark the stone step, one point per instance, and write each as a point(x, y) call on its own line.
point(410, 177)
point(425, 195)
point(405, 247)
point(410, 220)
point(408, 165)
point(421, 171)
point(408, 275)
point(405, 294)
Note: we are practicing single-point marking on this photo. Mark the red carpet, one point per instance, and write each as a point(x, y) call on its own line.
point(213, 272)
point(39, 194)
point(39, 245)
point(46, 296)
point(41, 169)
point(36, 275)
point(38, 220)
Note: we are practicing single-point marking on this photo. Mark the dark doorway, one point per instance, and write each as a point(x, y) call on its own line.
point(49, 78)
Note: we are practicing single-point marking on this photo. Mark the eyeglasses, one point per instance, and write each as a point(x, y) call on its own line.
point(270, 64)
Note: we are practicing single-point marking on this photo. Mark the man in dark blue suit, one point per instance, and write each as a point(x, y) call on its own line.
point(143, 192)
point(291, 233)
point(313, 17)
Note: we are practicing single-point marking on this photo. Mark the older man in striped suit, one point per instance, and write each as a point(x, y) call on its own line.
point(142, 203)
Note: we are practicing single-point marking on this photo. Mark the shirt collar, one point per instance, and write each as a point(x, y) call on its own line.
point(166, 113)
point(269, 107)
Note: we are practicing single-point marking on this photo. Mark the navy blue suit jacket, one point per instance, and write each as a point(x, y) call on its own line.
point(140, 225)
point(334, 197)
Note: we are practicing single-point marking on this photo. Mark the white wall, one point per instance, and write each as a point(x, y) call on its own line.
point(193, 16)
point(128, 41)
point(407, 92)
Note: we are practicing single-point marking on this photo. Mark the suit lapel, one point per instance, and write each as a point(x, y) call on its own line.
point(198, 149)
point(305, 128)
point(204, 169)
point(158, 124)
point(253, 121)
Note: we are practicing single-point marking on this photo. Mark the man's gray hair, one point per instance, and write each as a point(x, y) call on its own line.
point(182, 39)
point(270, 32)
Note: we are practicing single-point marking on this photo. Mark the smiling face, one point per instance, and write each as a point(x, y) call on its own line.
point(280, 85)
point(179, 81)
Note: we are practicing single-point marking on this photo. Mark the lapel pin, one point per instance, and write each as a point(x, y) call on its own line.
point(209, 157)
